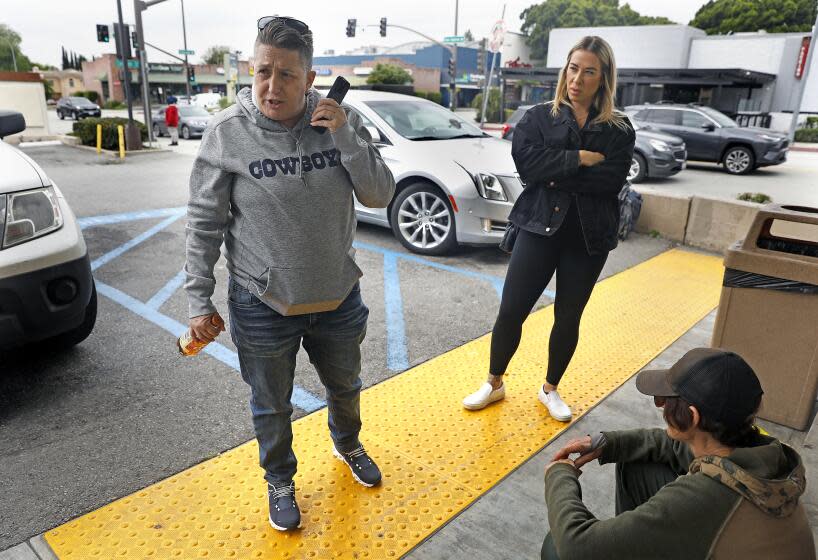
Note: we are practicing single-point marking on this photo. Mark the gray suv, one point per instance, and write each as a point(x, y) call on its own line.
point(712, 136)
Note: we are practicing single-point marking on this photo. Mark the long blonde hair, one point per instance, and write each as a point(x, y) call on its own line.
point(604, 98)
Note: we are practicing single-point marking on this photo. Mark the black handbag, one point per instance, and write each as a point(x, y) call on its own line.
point(509, 237)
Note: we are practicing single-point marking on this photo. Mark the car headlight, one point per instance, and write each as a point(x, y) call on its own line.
point(769, 138)
point(659, 146)
point(489, 187)
point(30, 214)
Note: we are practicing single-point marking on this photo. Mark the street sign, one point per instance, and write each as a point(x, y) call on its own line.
point(187, 52)
point(454, 39)
point(132, 63)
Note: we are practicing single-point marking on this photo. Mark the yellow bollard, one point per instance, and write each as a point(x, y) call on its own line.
point(99, 139)
point(121, 132)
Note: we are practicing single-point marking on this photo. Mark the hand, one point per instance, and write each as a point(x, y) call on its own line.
point(329, 115)
point(581, 446)
point(589, 159)
point(207, 327)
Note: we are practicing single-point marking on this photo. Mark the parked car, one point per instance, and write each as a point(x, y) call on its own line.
point(710, 135)
point(47, 292)
point(206, 100)
point(192, 121)
point(455, 184)
point(77, 108)
point(655, 154)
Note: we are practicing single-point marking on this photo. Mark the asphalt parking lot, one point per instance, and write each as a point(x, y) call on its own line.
point(123, 410)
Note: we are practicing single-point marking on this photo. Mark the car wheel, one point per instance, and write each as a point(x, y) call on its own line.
point(185, 133)
point(738, 160)
point(638, 170)
point(423, 221)
point(60, 114)
point(77, 335)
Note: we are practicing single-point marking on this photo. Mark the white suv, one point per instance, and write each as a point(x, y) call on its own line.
point(47, 292)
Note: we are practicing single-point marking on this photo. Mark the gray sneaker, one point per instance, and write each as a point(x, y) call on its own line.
point(363, 468)
point(284, 512)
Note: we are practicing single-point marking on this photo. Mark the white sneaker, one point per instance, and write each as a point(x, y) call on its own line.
point(555, 405)
point(485, 395)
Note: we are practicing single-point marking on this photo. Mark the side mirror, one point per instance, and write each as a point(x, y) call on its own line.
point(11, 122)
point(374, 133)
point(709, 127)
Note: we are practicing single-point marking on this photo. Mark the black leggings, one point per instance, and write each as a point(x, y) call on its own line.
point(533, 262)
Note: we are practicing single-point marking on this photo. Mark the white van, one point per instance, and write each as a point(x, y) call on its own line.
point(47, 291)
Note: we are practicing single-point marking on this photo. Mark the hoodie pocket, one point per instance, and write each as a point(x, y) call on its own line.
point(309, 289)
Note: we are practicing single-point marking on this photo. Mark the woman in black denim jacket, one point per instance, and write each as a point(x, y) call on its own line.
point(573, 155)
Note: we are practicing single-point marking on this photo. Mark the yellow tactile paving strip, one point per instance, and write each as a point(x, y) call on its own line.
point(436, 457)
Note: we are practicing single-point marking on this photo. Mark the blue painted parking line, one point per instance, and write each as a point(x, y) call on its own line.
point(111, 255)
point(167, 290)
point(397, 355)
point(130, 216)
point(301, 398)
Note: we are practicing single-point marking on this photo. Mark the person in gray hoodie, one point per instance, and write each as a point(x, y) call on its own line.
point(279, 195)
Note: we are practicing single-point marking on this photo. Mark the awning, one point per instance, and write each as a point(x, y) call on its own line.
point(726, 77)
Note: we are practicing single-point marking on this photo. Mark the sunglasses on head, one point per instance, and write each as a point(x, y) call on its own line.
point(292, 23)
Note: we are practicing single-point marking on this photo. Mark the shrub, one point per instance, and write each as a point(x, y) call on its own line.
point(812, 122)
point(493, 107)
point(224, 103)
point(759, 198)
point(86, 130)
point(114, 104)
point(806, 135)
point(435, 96)
point(421, 94)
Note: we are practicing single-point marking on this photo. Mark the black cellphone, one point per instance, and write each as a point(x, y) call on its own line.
point(337, 92)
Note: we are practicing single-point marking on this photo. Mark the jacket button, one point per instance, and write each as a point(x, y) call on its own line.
point(548, 229)
point(551, 184)
point(556, 208)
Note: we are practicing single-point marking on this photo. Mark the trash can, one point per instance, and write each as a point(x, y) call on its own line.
point(768, 311)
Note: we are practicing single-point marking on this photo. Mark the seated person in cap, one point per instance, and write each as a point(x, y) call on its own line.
point(710, 486)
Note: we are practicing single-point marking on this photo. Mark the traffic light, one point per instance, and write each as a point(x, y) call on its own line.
point(191, 74)
point(481, 57)
point(351, 23)
point(122, 41)
point(135, 41)
point(452, 69)
point(383, 27)
point(102, 34)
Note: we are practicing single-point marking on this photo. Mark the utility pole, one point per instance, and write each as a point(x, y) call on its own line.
point(453, 77)
point(184, 38)
point(804, 77)
point(140, 6)
point(133, 139)
point(487, 91)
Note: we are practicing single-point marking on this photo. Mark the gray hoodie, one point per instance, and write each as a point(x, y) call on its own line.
point(281, 201)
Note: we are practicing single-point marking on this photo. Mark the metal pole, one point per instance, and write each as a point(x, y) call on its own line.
point(184, 39)
point(804, 77)
point(122, 37)
point(13, 58)
point(488, 82)
point(453, 78)
point(138, 7)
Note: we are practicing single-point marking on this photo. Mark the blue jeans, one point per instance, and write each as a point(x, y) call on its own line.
point(268, 343)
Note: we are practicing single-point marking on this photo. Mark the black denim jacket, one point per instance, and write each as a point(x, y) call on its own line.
point(546, 152)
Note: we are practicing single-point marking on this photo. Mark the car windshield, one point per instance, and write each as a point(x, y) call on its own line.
point(418, 120)
point(518, 114)
point(719, 117)
point(81, 101)
point(192, 111)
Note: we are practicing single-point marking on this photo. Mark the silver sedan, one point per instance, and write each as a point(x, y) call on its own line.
point(455, 184)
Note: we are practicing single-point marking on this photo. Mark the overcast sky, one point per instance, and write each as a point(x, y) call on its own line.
point(46, 25)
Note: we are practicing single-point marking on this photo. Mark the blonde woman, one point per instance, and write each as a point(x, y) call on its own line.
point(573, 155)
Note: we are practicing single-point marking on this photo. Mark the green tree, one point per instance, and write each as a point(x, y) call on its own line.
point(215, 54)
point(540, 19)
point(10, 41)
point(389, 74)
point(774, 16)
